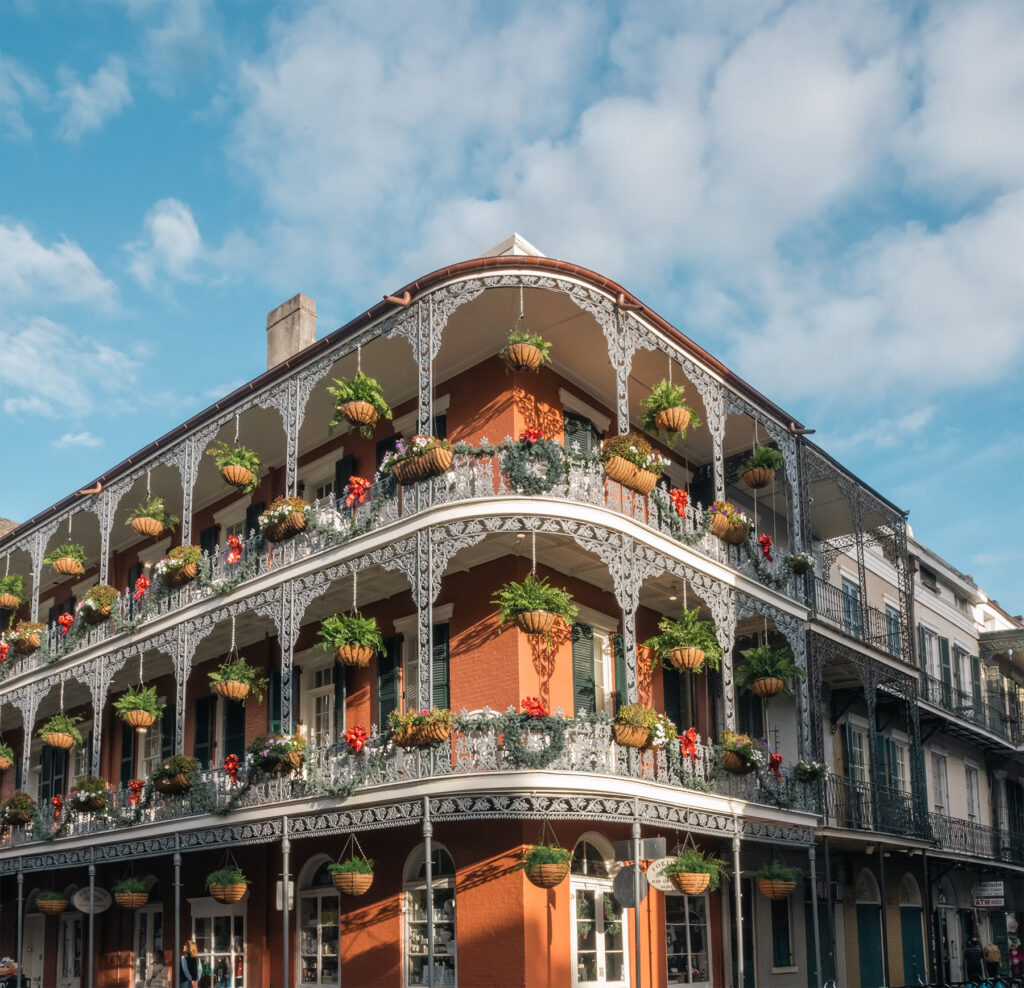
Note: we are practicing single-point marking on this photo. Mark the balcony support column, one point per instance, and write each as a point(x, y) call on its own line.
point(177, 904)
point(935, 953)
point(862, 582)
point(29, 706)
point(286, 847)
point(811, 858)
point(737, 887)
point(36, 547)
point(871, 701)
point(880, 850)
point(187, 457)
point(428, 874)
point(21, 916)
point(92, 918)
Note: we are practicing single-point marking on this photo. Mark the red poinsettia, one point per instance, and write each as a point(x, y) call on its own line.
point(231, 767)
point(65, 621)
point(57, 803)
point(533, 706)
point(531, 435)
point(774, 763)
point(141, 586)
point(765, 541)
point(356, 491)
point(688, 743)
point(234, 549)
point(4, 652)
point(679, 499)
point(135, 787)
point(355, 738)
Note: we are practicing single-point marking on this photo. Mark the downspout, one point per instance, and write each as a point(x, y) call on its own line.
point(738, 898)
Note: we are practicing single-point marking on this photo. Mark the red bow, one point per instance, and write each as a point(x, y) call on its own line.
point(231, 767)
point(65, 621)
point(235, 549)
point(531, 435)
point(4, 650)
point(766, 547)
point(774, 761)
point(56, 802)
point(135, 787)
point(688, 742)
point(356, 491)
point(141, 586)
point(533, 706)
point(679, 499)
point(355, 737)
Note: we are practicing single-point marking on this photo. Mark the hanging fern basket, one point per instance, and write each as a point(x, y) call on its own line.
point(686, 658)
point(535, 622)
point(547, 876)
point(758, 477)
point(232, 689)
point(235, 475)
point(523, 356)
point(359, 413)
point(352, 882)
point(767, 686)
point(139, 719)
point(58, 739)
point(728, 531)
point(229, 893)
point(690, 882)
point(354, 655)
point(131, 900)
point(68, 566)
point(672, 419)
point(51, 907)
point(148, 526)
point(774, 889)
point(9, 602)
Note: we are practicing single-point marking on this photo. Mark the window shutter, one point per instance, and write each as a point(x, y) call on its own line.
point(892, 761)
point(234, 728)
point(672, 687)
point(296, 697)
point(274, 702)
point(203, 749)
point(440, 426)
point(340, 695)
point(167, 733)
point(580, 435)
point(922, 650)
point(440, 668)
point(583, 691)
point(619, 651)
point(252, 519)
point(387, 679)
point(343, 470)
point(852, 772)
point(127, 754)
point(208, 539)
point(878, 766)
point(946, 671)
point(976, 682)
point(781, 956)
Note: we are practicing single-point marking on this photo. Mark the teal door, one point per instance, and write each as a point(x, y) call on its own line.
point(913, 945)
point(869, 944)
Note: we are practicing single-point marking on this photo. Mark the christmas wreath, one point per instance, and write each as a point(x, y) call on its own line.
point(533, 465)
point(517, 727)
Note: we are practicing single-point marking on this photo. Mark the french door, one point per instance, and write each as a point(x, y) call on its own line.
point(149, 939)
point(69, 958)
point(599, 936)
point(221, 942)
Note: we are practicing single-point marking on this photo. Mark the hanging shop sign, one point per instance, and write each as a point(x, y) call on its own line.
point(100, 901)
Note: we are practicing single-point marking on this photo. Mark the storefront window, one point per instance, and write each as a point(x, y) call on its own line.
point(599, 951)
point(221, 942)
point(318, 932)
point(416, 932)
point(687, 946)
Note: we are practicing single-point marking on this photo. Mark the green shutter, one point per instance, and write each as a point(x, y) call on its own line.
point(234, 728)
point(922, 652)
point(340, 694)
point(387, 679)
point(127, 754)
point(439, 668)
point(274, 703)
point(619, 649)
point(580, 435)
point(781, 956)
point(944, 666)
point(878, 760)
point(583, 691)
point(976, 681)
point(167, 732)
point(851, 767)
point(671, 682)
point(203, 749)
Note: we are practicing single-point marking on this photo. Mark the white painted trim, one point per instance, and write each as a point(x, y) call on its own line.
point(578, 406)
point(230, 514)
point(152, 554)
point(597, 620)
point(406, 424)
point(320, 469)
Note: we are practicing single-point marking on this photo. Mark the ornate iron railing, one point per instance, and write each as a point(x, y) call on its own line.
point(333, 522)
point(969, 707)
point(861, 621)
point(968, 837)
point(863, 806)
point(333, 772)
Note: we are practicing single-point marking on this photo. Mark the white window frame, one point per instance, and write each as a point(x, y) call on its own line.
point(932, 664)
point(319, 892)
point(143, 766)
point(940, 783)
point(603, 886)
point(408, 628)
point(312, 662)
point(411, 886)
point(231, 520)
point(903, 755)
point(689, 950)
point(149, 910)
point(888, 604)
point(577, 406)
point(80, 759)
point(605, 629)
point(208, 908)
point(65, 920)
point(406, 424)
point(320, 472)
point(972, 792)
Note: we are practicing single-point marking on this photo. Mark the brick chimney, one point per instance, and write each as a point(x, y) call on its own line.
point(291, 327)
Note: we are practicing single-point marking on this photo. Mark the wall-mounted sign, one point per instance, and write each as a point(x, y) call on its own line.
point(100, 901)
point(990, 902)
point(986, 890)
point(657, 877)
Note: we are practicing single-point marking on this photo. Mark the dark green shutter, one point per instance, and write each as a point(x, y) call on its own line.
point(296, 696)
point(671, 682)
point(274, 703)
point(387, 678)
point(203, 749)
point(946, 671)
point(53, 763)
point(440, 426)
point(234, 728)
point(439, 668)
point(340, 694)
point(579, 431)
point(619, 650)
point(167, 733)
point(976, 684)
point(583, 690)
point(252, 519)
point(781, 957)
point(343, 470)
point(127, 755)
point(922, 651)
point(852, 771)
point(878, 760)
point(208, 539)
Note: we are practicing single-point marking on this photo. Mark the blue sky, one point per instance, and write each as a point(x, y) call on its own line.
point(829, 197)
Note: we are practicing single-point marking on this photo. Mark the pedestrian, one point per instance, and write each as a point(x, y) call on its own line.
point(973, 960)
point(992, 958)
point(188, 965)
point(1015, 957)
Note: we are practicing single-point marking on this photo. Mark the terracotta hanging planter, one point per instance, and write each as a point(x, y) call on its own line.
point(28, 644)
point(181, 575)
point(353, 882)
point(91, 804)
point(51, 907)
point(173, 784)
point(758, 477)
point(767, 686)
point(291, 761)
point(732, 762)
point(523, 356)
point(68, 566)
point(235, 475)
point(728, 531)
point(139, 719)
point(690, 882)
point(422, 735)
point(535, 622)
point(672, 419)
point(94, 615)
point(148, 526)
point(775, 889)
point(58, 739)
point(9, 602)
point(232, 689)
point(131, 900)
point(228, 893)
point(433, 463)
point(629, 736)
point(354, 655)
point(18, 816)
point(619, 470)
point(547, 876)
point(686, 658)
point(5, 763)
point(359, 413)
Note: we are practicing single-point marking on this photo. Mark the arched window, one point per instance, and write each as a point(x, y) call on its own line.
point(416, 932)
point(318, 956)
point(599, 940)
point(867, 888)
point(910, 892)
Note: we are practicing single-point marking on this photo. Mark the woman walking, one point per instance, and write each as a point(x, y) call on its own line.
point(188, 966)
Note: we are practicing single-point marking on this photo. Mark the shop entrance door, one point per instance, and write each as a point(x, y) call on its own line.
point(149, 939)
point(32, 948)
point(599, 937)
point(69, 954)
point(221, 942)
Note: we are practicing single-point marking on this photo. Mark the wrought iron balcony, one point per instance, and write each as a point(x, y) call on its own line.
point(968, 837)
point(333, 773)
point(333, 522)
point(881, 809)
point(861, 621)
point(968, 707)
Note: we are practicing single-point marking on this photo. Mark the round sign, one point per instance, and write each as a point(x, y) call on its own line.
point(100, 902)
point(623, 887)
point(657, 877)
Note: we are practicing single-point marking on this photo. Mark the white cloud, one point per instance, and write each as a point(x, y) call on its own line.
point(51, 371)
point(72, 440)
point(19, 89)
point(87, 105)
point(172, 246)
point(63, 272)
